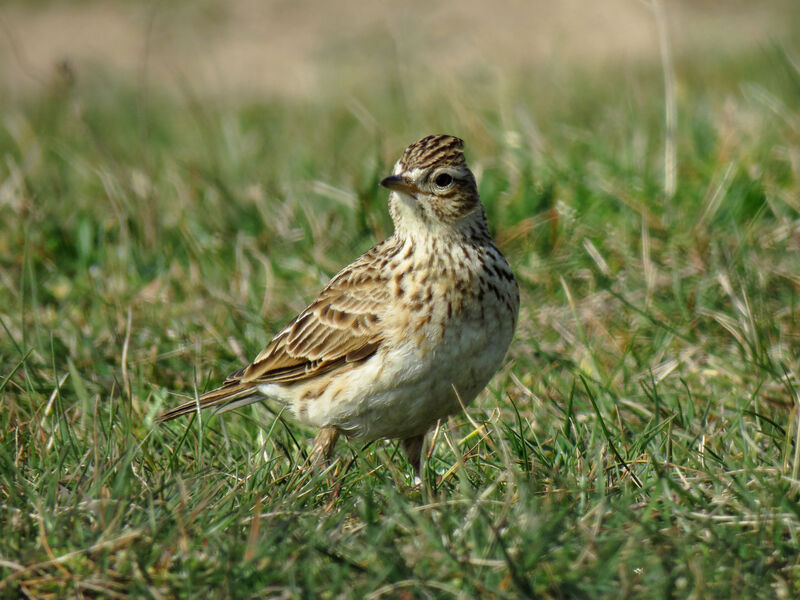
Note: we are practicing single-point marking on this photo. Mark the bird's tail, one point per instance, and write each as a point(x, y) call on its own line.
point(232, 394)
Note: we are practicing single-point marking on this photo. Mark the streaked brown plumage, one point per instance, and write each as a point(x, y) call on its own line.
point(407, 333)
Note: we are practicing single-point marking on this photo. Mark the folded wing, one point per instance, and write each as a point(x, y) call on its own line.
point(340, 328)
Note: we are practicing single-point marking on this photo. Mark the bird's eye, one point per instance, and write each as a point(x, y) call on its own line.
point(443, 180)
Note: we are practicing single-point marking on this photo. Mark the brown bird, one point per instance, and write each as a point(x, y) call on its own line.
point(404, 336)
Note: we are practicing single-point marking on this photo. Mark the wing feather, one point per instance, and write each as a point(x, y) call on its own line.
point(341, 326)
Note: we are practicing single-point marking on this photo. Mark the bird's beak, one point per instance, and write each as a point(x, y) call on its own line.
point(399, 184)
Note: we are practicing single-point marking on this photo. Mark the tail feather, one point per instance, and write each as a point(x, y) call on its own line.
point(230, 395)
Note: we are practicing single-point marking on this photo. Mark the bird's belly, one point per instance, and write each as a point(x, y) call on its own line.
point(406, 387)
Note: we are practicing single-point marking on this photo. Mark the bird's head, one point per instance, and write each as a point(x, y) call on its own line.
point(433, 189)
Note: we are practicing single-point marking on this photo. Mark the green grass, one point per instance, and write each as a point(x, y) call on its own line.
point(641, 440)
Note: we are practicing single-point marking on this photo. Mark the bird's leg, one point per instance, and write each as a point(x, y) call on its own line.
point(413, 448)
point(323, 446)
point(320, 458)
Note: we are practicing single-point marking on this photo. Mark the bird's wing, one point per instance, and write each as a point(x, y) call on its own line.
point(341, 326)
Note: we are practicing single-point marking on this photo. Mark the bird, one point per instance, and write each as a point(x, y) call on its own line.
point(407, 334)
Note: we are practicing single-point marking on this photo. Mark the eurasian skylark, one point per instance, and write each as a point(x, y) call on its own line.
point(404, 336)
